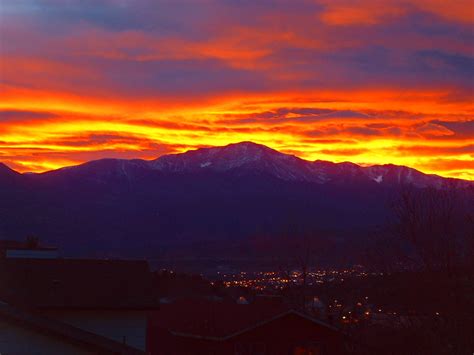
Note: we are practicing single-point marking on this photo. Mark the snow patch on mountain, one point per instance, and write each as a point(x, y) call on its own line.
point(249, 158)
point(378, 179)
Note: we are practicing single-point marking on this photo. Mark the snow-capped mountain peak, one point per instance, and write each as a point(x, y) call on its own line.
point(249, 157)
point(245, 155)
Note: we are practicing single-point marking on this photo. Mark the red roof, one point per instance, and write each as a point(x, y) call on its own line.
point(210, 319)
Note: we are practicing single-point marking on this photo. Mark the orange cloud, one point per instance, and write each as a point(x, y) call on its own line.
point(372, 12)
point(323, 126)
point(368, 81)
point(359, 12)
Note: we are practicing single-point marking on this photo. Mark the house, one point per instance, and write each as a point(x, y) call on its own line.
point(25, 333)
point(209, 327)
point(110, 298)
point(30, 249)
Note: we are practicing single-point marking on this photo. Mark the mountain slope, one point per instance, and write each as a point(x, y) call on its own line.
point(7, 174)
point(201, 200)
point(246, 157)
point(239, 158)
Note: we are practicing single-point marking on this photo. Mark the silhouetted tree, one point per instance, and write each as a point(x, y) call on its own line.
point(436, 228)
point(434, 222)
point(295, 253)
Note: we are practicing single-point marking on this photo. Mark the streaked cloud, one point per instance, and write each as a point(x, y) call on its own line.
point(365, 80)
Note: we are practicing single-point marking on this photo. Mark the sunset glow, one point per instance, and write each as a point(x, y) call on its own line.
point(333, 80)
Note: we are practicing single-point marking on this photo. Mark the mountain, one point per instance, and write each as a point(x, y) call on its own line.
point(205, 201)
point(240, 158)
point(7, 174)
point(248, 158)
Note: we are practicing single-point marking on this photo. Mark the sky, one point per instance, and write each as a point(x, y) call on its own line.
point(367, 81)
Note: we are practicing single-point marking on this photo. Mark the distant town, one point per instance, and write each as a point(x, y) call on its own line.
point(113, 306)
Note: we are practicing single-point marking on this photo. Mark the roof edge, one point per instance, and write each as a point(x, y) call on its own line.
point(256, 325)
point(65, 331)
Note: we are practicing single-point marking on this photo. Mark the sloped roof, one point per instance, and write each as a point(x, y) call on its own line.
point(219, 320)
point(66, 332)
point(22, 245)
point(5, 243)
point(77, 283)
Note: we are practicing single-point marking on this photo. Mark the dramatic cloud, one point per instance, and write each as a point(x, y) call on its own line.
point(362, 80)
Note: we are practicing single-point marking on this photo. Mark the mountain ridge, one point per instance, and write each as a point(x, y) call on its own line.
point(213, 199)
point(255, 157)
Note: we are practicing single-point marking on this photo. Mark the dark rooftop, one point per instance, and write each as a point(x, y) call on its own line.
point(77, 283)
point(23, 245)
point(211, 319)
point(92, 342)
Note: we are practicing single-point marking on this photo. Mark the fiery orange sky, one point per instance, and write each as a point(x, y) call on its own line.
point(366, 81)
